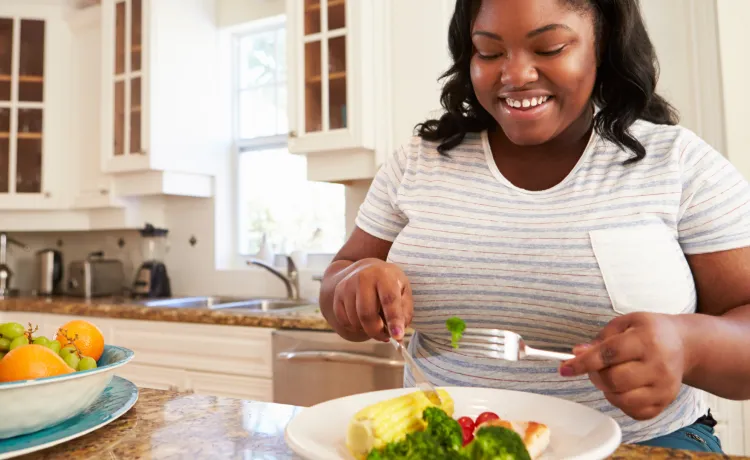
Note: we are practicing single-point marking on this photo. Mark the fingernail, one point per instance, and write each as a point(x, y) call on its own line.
point(396, 332)
point(581, 348)
point(566, 371)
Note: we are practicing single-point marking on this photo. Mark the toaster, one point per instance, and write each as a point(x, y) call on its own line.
point(95, 277)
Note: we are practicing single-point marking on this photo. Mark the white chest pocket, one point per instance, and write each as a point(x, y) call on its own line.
point(644, 270)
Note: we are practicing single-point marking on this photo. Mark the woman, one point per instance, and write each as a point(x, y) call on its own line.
point(558, 198)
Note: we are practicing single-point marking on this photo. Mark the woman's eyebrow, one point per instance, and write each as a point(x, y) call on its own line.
point(533, 33)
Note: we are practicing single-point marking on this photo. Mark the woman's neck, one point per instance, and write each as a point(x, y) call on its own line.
point(540, 167)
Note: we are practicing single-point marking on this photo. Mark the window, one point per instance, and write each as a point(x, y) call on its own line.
point(274, 196)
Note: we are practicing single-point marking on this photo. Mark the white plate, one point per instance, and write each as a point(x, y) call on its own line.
point(578, 432)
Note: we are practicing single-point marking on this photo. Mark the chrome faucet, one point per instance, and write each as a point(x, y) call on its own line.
point(5, 272)
point(291, 279)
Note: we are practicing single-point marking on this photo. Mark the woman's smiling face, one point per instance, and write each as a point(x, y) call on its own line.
point(534, 66)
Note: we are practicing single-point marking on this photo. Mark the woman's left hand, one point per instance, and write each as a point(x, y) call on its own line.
point(638, 361)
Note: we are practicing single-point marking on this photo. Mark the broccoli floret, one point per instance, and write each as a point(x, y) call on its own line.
point(419, 445)
point(496, 443)
point(440, 441)
point(443, 438)
point(456, 326)
point(443, 428)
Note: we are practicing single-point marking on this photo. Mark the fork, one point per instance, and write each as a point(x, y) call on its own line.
point(498, 343)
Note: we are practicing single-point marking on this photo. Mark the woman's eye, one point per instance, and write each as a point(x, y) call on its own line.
point(488, 57)
point(551, 52)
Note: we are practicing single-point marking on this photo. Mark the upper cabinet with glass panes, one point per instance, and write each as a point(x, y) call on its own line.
point(158, 100)
point(33, 58)
point(331, 97)
point(21, 105)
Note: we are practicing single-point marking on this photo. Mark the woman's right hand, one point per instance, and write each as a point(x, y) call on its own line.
point(374, 290)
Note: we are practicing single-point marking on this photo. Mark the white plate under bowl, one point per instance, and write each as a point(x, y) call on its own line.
point(32, 405)
point(578, 432)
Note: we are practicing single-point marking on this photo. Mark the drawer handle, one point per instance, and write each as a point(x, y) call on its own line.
point(339, 357)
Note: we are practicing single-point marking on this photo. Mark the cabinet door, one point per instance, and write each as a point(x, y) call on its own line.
point(730, 426)
point(22, 59)
point(156, 377)
point(318, 36)
point(128, 77)
point(124, 30)
point(230, 386)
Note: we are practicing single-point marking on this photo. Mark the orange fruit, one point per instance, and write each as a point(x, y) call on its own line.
point(32, 362)
point(84, 335)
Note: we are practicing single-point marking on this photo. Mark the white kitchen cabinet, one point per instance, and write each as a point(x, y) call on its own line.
point(348, 117)
point(158, 378)
point(330, 45)
point(55, 174)
point(34, 106)
point(206, 359)
point(159, 96)
point(94, 186)
point(230, 386)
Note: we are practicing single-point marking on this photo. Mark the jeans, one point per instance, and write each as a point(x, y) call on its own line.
point(698, 437)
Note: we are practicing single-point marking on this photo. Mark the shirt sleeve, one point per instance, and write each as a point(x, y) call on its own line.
point(380, 215)
point(715, 205)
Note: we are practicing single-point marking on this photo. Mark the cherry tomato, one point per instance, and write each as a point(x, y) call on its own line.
point(466, 422)
point(485, 416)
point(468, 434)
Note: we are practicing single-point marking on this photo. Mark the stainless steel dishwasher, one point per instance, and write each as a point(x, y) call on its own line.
point(312, 367)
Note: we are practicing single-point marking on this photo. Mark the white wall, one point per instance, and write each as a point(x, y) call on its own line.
point(734, 35)
point(418, 64)
point(684, 35)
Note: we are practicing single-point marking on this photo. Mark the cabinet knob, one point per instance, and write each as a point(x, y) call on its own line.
point(103, 191)
point(47, 195)
point(292, 134)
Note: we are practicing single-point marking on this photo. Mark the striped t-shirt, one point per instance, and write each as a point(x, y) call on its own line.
point(475, 246)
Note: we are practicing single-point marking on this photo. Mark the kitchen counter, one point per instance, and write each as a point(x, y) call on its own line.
point(167, 425)
point(110, 307)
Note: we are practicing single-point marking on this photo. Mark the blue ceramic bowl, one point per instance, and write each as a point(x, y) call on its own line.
point(33, 405)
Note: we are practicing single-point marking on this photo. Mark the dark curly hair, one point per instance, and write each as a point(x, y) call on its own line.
point(624, 88)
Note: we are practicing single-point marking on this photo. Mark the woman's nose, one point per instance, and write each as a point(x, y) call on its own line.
point(518, 71)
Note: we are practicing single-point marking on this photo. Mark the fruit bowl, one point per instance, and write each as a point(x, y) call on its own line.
point(27, 406)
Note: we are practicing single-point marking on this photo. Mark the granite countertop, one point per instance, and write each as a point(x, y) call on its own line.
point(167, 425)
point(120, 308)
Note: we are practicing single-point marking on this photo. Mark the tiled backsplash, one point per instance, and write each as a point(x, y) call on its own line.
point(74, 246)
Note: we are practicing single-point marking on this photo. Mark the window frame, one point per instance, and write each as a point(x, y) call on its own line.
point(244, 146)
point(274, 23)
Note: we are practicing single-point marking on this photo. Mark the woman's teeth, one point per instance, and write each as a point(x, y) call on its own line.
point(526, 103)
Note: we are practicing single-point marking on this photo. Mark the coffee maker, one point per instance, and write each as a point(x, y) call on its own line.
point(151, 279)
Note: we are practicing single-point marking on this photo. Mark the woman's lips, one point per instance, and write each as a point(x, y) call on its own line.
point(527, 108)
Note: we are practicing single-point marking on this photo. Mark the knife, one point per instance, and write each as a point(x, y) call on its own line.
point(419, 378)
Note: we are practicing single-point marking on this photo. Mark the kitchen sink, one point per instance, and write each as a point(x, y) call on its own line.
point(235, 304)
point(190, 302)
point(264, 305)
